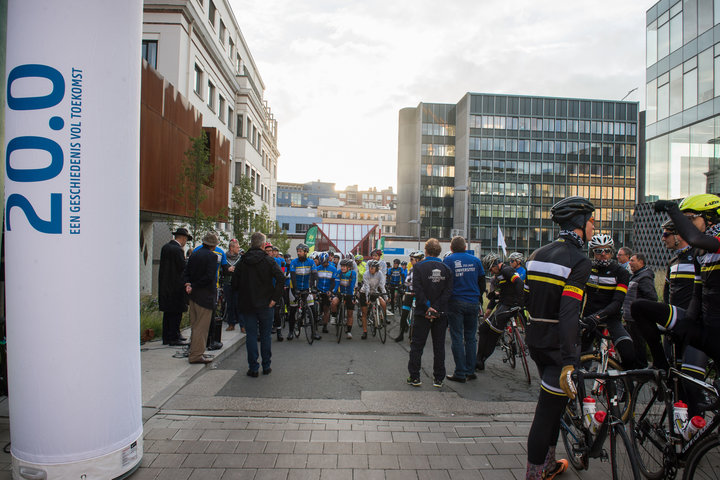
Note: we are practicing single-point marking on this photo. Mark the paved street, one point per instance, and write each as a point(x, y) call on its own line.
point(342, 411)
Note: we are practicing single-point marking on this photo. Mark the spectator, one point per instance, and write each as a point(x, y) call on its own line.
point(200, 278)
point(468, 288)
point(171, 291)
point(432, 283)
point(641, 286)
point(623, 257)
point(233, 256)
point(258, 283)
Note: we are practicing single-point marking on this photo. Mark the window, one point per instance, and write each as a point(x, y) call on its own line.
point(690, 89)
point(149, 52)
point(238, 172)
point(705, 75)
point(239, 125)
point(198, 80)
point(231, 50)
point(248, 135)
point(221, 108)
point(211, 96)
point(230, 116)
point(238, 64)
point(211, 13)
point(221, 33)
point(676, 90)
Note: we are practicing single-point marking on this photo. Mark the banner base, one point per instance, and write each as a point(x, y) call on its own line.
point(115, 465)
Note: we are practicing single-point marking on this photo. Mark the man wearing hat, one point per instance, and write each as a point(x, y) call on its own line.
point(200, 277)
point(171, 290)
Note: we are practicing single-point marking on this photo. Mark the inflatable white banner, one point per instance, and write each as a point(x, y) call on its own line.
point(71, 229)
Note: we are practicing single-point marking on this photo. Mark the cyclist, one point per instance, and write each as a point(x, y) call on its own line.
point(557, 275)
point(377, 255)
point(361, 267)
point(605, 292)
point(336, 259)
point(274, 252)
point(697, 221)
point(509, 293)
point(404, 265)
point(516, 260)
point(373, 287)
point(325, 285)
point(396, 278)
point(345, 279)
point(303, 277)
point(409, 296)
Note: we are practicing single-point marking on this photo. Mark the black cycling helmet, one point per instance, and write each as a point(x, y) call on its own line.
point(396, 261)
point(572, 212)
point(490, 260)
point(376, 251)
point(303, 247)
point(346, 262)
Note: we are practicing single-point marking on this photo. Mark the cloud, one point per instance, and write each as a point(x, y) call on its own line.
point(337, 73)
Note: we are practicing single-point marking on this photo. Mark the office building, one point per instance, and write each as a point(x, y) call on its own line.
point(494, 161)
point(683, 99)
point(304, 194)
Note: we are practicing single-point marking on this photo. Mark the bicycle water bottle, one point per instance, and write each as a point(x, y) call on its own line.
point(695, 424)
point(588, 410)
point(680, 416)
point(597, 420)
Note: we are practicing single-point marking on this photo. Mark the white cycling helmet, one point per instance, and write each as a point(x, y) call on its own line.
point(516, 256)
point(601, 240)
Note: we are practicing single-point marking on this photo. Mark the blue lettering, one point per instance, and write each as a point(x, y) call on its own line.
point(34, 174)
point(35, 103)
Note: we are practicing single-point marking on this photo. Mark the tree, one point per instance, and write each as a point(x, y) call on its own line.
point(196, 176)
point(242, 211)
point(263, 223)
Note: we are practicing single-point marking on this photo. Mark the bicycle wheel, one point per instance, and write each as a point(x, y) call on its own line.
point(649, 429)
point(573, 437)
point(340, 321)
point(382, 326)
point(308, 324)
point(622, 455)
point(704, 461)
point(371, 320)
point(508, 344)
point(298, 322)
point(522, 353)
point(596, 388)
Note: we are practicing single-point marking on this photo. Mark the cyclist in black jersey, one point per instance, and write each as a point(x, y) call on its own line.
point(509, 292)
point(605, 292)
point(697, 221)
point(557, 274)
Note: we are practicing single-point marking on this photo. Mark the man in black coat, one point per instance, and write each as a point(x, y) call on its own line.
point(433, 286)
point(258, 283)
point(200, 277)
point(171, 289)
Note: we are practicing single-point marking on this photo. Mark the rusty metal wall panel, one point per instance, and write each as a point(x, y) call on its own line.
point(167, 122)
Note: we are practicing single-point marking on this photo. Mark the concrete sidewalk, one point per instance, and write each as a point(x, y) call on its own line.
point(165, 370)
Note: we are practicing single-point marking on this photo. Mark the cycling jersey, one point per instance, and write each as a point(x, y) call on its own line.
point(682, 278)
point(510, 286)
point(326, 278)
point(396, 276)
point(373, 283)
point(361, 269)
point(408, 283)
point(301, 273)
point(557, 274)
point(522, 273)
point(345, 282)
point(605, 291)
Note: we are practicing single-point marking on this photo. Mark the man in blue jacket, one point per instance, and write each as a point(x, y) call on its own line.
point(468, 288)
point(432, 284)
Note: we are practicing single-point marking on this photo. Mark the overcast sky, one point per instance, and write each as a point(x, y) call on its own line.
point(337, 72)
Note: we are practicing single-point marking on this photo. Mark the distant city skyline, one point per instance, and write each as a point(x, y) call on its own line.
point(337, 74)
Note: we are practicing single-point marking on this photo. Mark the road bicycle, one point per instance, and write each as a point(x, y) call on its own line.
point(376, 318)
point(661, 448)
point(341, 321)
point(305, 316)
point(600, 360)
point(512, 340)
point(585, 439)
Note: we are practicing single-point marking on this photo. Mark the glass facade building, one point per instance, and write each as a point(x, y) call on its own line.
point(683, 99)
point(504, 160)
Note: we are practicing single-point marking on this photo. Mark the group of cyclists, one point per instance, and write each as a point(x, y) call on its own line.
point(324, 279)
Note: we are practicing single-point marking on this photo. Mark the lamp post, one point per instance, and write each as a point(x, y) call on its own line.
point(628, 94)
point(417, 221)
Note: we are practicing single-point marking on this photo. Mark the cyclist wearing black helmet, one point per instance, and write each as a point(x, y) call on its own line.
point(303, 277)
point(557, 274)
point(409, 296)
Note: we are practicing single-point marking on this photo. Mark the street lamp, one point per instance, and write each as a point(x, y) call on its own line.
point(628, 94)
point(417, 221)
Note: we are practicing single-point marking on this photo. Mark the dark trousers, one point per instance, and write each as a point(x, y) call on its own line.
point(171, 327)
point(258, 324)
point(421, 328)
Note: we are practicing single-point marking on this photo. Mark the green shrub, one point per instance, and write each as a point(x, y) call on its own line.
point(151, 316)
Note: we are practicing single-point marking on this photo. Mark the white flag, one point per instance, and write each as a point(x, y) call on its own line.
point(501, 241)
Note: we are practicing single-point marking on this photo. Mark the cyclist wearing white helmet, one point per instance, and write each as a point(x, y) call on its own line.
point(516, 260)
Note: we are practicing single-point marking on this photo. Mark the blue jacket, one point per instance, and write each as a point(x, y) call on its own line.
point(302, 273)
point(345, 282)
point(469, 277)
point(397, 276)
point(326, 277)
point(433, 284)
